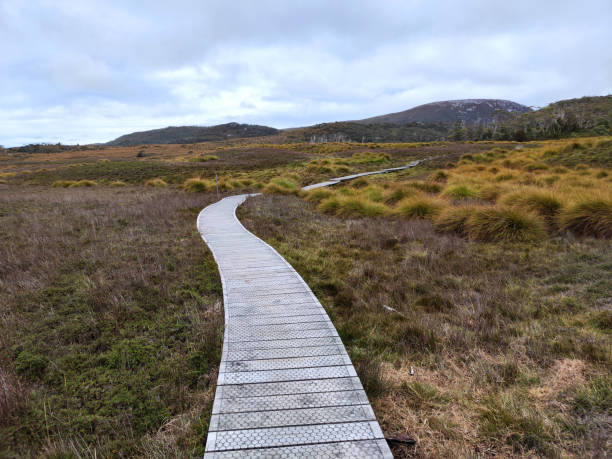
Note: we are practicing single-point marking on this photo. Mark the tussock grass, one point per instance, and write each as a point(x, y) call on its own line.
point(74, 183)
point(199, 185)
point(360, 182)
point(419, 207)
point(205, 158)
point(458, 192)
point(439, 176)
point(117, 183)
point(544, 203)
point(588, 217)
point(454, 219)
point(63, 183)
point(505, 224)
point(353, 206)
point(318, 194)
point(156, 183)
point(282, 185)
point(427, 187)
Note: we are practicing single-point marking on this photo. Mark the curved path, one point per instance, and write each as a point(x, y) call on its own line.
point(286, 385)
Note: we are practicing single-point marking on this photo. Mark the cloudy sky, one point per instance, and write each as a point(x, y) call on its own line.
point(88, 71)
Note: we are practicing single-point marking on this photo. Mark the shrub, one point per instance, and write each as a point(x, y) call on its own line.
point(542, 203)
point(30, 365)
point(460, 192)
point(589, 218)
point(281, 186)
point(454, 219)
point(419, 207)
point(491, 224)
point(156, 182)
point(117, 183)
point(198, 185)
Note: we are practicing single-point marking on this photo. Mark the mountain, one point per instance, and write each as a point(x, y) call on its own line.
point(470, 111)
point(192, 134)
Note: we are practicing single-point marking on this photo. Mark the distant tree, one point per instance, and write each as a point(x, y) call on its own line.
point(458, 132)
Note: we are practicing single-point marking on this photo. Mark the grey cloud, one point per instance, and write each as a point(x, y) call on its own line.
point(93, 70)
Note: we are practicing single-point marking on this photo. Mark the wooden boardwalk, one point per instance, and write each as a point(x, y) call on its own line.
point(286, 385)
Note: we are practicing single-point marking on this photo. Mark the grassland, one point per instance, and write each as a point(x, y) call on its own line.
point(490, 277)
point(486, 269)
point(111, 323)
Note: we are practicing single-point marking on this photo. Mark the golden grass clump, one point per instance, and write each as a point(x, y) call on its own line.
point(156, 182)
point(458, 192)
point(453, 219)
point(282, 185)
point(589, 217)
point(498, 224)
point(439, 176)
point(419, 207)
point(63, 183)
point(543, 203)
point(374, 193)
point(427, 187)
point(117, 183)
point(360, 182)
point(352, 206)
point(74, 183)
point(198, 185)
point(318, 194)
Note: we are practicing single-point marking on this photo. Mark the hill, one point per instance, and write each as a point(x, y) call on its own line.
point(347, 131)
point(192, 134)
point(468, 111)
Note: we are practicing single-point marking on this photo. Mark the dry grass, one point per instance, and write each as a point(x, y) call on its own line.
point(156, 183)
point(111, 322)
point(486, 328)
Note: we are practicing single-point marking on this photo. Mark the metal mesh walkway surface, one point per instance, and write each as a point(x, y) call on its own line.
point(286, 385)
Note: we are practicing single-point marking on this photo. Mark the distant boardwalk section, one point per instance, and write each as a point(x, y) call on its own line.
point(286, 385)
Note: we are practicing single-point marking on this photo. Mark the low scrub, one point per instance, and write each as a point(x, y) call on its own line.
point(589, 218)
point(499, 224)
